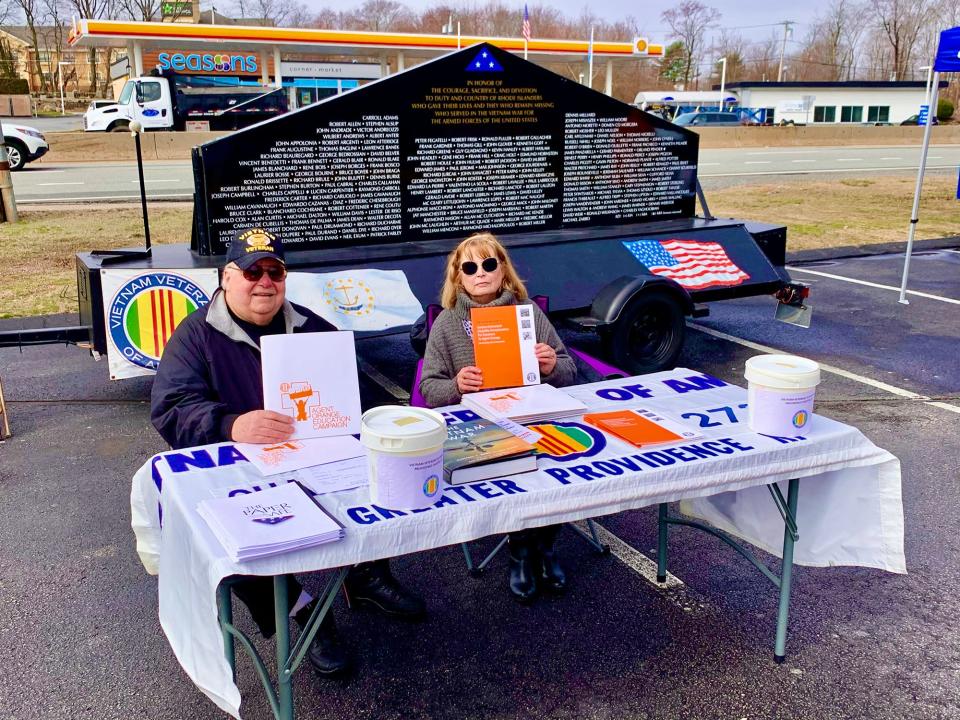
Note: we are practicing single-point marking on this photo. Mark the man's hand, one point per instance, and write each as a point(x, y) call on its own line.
point(262, 426)
point(546, 358)
point(469, 379)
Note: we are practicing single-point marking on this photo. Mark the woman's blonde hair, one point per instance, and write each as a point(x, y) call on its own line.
point(485, 245)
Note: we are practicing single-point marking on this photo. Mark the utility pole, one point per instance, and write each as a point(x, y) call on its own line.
point(783, 46)
point(8, 206)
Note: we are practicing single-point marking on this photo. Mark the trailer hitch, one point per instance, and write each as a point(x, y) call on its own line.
point(793, 294)
point(791, 307)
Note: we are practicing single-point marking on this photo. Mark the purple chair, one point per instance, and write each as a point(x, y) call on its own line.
point(604, 369)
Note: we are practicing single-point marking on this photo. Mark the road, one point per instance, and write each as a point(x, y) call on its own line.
point(88, 182)
point(79, 616)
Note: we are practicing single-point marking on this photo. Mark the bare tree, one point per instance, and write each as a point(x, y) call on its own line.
point(148, 10)
point(92, 10)
point(900, 22)
point(689, 22)
point(732, 46)
point(382, 15)
point(33, 14)
point(762, 59)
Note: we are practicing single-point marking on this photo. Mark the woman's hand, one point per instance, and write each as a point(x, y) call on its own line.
point(546, 358)
point(469, 379)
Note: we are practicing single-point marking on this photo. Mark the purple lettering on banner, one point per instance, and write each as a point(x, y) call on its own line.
point(700, 452)
point(639, 390)
point(558, 474)
point(614, 394)
point(627, 463)
point(483, 491)
point(694, 382)
point(388, 514)
point(508, 486)
point(362, 516)
point(658, 457)
point(737, 446)
point(679, 454)
point(608, 467)
point(717, 447)
point(586, 472)
point(783, 440)
point(182, 462)
point(228, 455)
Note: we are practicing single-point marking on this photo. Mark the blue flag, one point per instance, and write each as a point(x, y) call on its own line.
point(484, 62)
point(948, 51)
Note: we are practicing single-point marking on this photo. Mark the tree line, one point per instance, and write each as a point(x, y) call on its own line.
point(849, 40)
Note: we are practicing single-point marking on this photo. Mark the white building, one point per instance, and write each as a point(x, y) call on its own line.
point(856, 102)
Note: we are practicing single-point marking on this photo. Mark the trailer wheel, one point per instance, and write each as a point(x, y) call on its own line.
point(120, 127)
point(648, 336)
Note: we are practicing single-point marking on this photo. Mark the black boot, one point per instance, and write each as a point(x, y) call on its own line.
point(523, 578)
point(552, 575)
point(373, 584)
point(326, 653)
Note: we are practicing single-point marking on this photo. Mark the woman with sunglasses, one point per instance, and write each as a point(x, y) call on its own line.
point(479, 274)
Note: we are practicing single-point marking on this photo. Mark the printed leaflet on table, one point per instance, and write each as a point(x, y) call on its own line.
point(313, 378)
point(504, 341)
point(642, 427)
point(480, 449)
point(276, 520)
point(295, 454)
point(533, 403)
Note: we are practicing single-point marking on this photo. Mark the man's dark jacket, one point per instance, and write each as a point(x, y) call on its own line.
point(210, 373)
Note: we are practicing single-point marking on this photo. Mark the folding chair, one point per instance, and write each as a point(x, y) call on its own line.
point(604, 369)
point(4, 423)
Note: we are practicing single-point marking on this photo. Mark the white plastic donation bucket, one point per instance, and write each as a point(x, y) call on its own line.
point(780, 392)
point(404, 455)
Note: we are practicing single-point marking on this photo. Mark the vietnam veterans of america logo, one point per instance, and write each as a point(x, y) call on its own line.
point(565, 441)
point(146, 310)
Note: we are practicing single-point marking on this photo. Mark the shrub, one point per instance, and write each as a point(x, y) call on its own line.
point(944, 109)
point(18, 86)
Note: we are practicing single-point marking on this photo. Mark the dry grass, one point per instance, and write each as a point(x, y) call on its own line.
point(852, 211)
point(38, 253)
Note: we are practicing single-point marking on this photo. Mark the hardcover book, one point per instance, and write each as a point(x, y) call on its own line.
point(480, 449)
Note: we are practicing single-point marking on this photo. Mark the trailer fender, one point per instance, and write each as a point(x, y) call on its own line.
point(612, 299)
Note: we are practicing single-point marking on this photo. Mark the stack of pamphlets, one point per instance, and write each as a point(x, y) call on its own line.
point(270, 522)
point(480, 449)
point(533, 403)
point(642, 427)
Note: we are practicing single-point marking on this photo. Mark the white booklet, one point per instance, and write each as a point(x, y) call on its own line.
point(295, 454)
point(524, 404)
point(312, 377)
point(276, 520)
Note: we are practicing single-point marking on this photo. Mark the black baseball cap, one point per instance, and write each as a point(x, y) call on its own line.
point(254, 244)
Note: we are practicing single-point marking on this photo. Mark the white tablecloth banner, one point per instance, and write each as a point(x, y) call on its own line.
point(849, 513)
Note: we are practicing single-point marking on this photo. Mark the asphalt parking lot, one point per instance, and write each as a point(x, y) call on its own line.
point(78, 617)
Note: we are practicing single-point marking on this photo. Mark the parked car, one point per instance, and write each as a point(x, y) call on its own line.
point(711, 119)
point(24, 144)
point(915, 120)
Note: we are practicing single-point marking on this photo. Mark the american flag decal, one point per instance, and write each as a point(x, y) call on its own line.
point(694, 265)
point(272, 520)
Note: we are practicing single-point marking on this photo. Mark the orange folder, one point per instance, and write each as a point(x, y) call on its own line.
point(635, 429)
point(496, 346)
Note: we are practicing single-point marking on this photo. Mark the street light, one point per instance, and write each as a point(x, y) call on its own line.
point(60, 73)
point(723, 80)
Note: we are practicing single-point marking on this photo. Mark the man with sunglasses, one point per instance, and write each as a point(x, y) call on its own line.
point(209, 389)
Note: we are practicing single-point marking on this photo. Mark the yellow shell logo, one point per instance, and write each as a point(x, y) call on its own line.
point(349, 296)
point(640, 45)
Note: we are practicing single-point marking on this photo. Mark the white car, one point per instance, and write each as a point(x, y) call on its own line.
point(24, 144)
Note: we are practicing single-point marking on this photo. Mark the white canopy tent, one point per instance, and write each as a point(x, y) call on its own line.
point(946, 60)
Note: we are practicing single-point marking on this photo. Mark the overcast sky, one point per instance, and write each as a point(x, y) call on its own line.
point(745, 16)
